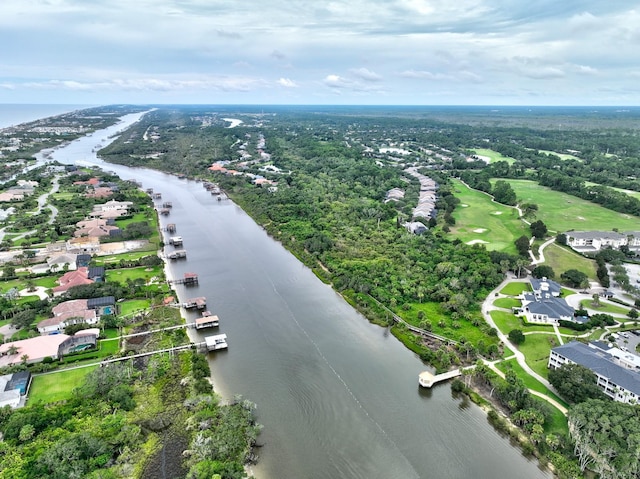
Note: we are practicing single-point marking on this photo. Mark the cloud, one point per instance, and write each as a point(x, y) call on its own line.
point(366, 74)
point(278, 55)
point(287, 83)
point(425, 75)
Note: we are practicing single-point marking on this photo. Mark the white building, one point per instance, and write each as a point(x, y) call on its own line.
point(620, 383)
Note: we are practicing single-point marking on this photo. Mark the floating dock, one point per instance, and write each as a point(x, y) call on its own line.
point(218, 341)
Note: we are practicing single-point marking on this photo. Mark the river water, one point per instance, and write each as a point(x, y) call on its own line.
point(338, 397)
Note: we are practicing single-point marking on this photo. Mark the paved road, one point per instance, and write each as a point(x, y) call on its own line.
point(487, 306)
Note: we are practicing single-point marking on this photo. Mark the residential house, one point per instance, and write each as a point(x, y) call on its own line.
point(415, 227)
point(34, 350)
point(13, 388)
point(618, 382)
point(62, 262)
point(67, 313)
point(103, 306)
point(96, 273)
point(71, 279)
point(84, 244)
point(394, 194)
point(83, 260)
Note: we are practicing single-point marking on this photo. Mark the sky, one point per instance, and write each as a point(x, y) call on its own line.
point(370, 52)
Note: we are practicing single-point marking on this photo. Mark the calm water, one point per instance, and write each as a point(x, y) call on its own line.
point(16, 114)
point(338, 397)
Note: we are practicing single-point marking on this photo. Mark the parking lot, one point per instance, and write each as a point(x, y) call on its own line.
point(628, 340)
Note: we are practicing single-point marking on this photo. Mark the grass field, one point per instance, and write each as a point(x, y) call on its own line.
point(562, 259)
point(563, 212)
point(128, 307)
point(515, 288)
point(493, 155)
point(122, 275)
point(481, 220)
point(604, 307)
point(505, 321)
point(537, 348)
point(57, 386)
point(507, 303)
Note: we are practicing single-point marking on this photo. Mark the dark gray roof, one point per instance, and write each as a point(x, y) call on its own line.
point(551, 306)
point(99, 302)
point(600, 362)
point(539, 285)
point(94, 271)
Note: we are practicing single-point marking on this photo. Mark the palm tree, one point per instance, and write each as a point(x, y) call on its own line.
point(13, 349)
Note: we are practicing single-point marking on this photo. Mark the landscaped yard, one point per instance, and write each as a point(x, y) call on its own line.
point(505, 321)
point(480, 220)
point(604, 307)
point(515, 288)
point(57, 386)
point(561, 259)
point(562, 212)
point(143, 272)
point(128, 307)
point(507, 303)
point(537, 348)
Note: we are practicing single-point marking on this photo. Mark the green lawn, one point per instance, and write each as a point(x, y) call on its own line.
point(122, 275)
point(537, 348)
point(562, 212)
point(604, 307)
point(57, 386)
point(515, 288)
point(505, 321)
point(128, 307)
point(479, 219)
point(493, 155)
point(116, 258)
point(507, 303)
point(562, 258)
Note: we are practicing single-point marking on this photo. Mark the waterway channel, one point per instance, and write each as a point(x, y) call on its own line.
point(338, 397)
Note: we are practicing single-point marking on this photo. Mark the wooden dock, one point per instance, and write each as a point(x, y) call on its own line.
point(199, 303)
point(175, 241)
point(427, 379)
point(189, 279)
point(177, 254)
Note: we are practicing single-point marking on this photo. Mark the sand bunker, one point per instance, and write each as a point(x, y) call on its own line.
point(463, 205)
point(477, 241)
point(580, 218)
point(497, 213)
point(479, 230)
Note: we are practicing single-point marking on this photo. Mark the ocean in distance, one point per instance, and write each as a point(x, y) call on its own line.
point(12, 114)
